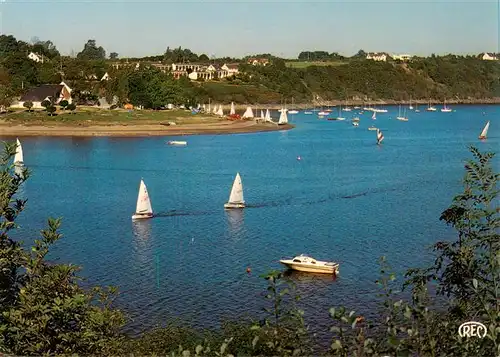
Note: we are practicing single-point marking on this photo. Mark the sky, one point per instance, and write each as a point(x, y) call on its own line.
point(239, 28)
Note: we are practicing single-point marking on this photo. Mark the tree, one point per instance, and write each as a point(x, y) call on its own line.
point(71, 107)
point(64, 104)
point(46, 103)
point(203, 58)
point(360, 54)
point(51, 110)
point(113, 56)
point(28, 105)
point(92, 52)
point(43, 309)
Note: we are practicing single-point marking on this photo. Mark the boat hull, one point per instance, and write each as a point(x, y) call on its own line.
point(234, 205)
point(138, 216)
point(322, 269)
point(177, 143)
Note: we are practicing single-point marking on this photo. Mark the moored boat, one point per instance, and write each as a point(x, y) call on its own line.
point(484, 132)
point(310, 265)
point(236, 199)
point(177, 143)
point(18, 157)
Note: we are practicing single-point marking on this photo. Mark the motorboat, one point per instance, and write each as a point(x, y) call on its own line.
point(372, 128)
point(310, 265)
point(355, 123)
point(177, 143)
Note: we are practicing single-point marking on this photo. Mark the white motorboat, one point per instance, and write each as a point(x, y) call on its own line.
point(18, 157)
point(371, 128)
point(177, 143)
point(310, 265)
point(355, 123)
point(143, 209)
point(236, 199)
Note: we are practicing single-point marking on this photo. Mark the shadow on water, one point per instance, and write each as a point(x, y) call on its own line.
point(302, 277)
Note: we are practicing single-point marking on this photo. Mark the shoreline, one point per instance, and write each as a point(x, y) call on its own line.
point(362, 103)
point(138, 130)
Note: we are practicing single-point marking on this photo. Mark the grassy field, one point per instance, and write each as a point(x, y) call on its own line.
point(96, 116)
point(304, 64)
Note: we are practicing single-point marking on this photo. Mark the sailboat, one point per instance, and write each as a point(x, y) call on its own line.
point(220, 112)
point(374, 116)
point(485, 131)
point(268, 116)
point(283, 117)
point(410, 106)
point(402, 117)
point(236, 199)
point(262, 114)
point(143, 209)
point(215, 110)
point(18, 157)
point(248, 113)
point(430, 108)
point(340, 117)
point(380, 137)
point(293, 111)
point(346, 108)
point(445, 109)
point(232, 111)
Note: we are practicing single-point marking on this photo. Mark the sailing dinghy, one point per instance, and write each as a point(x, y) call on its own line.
point(18, 157)
point(283, 117)
point(143, 209)
point(236, 199)
point(380, 137)
point(485, 131)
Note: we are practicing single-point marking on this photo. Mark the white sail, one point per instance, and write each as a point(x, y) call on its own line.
point(248, 113)
point(18, 157)
point(374, 116)
point(143, 203)
point(204, 107)
point(236, 195)
point(233, 111)
point(485, 131)
point(283, 117)
point(380, 136)
point(262, 114)
point(268, 115)
point(215, 109)
point(220, 112)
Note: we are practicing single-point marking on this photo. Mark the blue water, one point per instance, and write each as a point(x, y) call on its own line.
point(347, 200)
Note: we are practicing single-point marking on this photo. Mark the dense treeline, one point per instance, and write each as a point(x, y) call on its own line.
point(433, 78)
point(43, 310)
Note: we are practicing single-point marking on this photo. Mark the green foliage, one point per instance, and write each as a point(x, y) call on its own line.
point(63, 104)
point(72, 107)
point(318, 56)
point(42, 308)
point(46, 104)
point(92, 52)
point(113, 56)
point(28, 105)
point(51, 110)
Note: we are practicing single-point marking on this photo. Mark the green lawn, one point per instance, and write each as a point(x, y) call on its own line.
point(304, 64)
point(106, 116)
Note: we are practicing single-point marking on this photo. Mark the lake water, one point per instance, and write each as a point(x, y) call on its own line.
point(347, 200)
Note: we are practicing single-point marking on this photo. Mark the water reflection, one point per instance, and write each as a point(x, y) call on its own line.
point(142, 242)
point(309, 284)
point(235, 220)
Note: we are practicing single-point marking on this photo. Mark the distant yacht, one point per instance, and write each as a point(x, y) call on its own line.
point(402, 117)
point(484, 133)
point(143, 209)
point(445, 109)
point(18, 157)
point(430, 108)
point(236, 199)
point(410, 106)
point(340, 117)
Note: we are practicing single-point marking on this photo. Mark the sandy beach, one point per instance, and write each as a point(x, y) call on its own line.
point(137, 129)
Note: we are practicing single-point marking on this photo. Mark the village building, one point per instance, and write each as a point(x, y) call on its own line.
point(52, 92)
point(258, 61)
point(404, 57)
point(377, 56)
point(35, 57)
point(489, 56)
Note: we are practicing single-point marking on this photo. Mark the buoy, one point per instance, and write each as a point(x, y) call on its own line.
point(249, 270)
point(299, 158)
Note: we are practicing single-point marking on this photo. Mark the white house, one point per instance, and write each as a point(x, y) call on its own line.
point(53, 92)
point(377, 56)
point(489, 57)
point(231, 68)
point(404, 57)
point(35, 57)
point(105, 77)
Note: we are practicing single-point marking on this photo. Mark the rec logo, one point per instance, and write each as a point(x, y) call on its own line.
point(472, 329)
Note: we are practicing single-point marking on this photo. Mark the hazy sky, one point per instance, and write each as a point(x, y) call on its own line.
point(237, 28)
